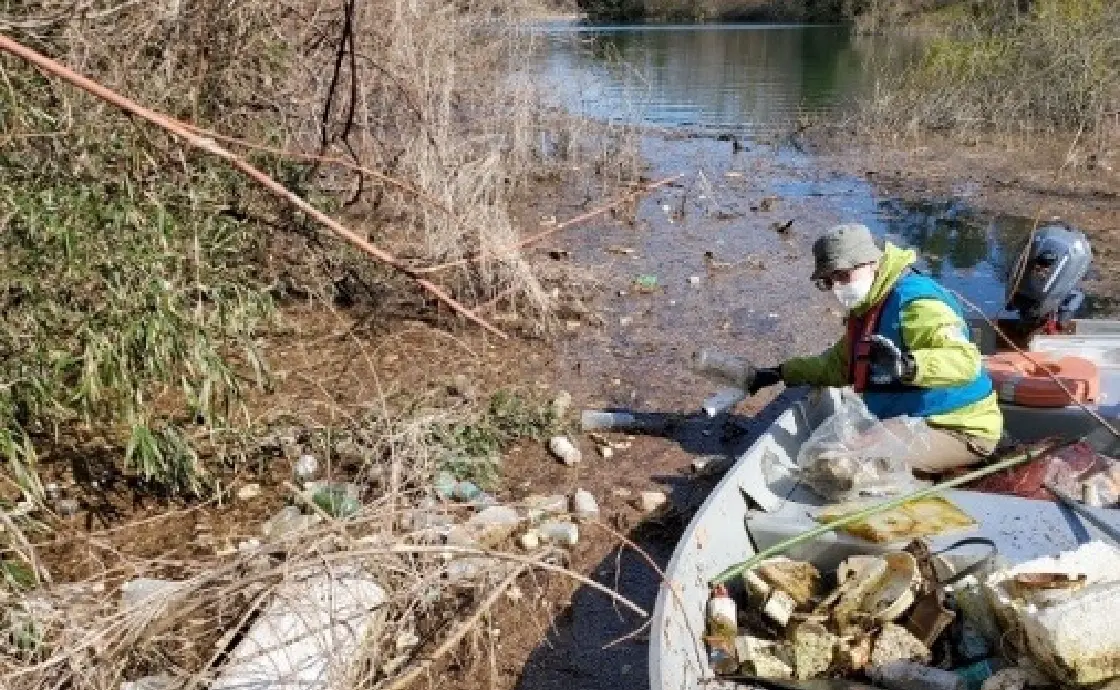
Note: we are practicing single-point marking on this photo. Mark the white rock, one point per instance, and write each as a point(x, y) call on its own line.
point(563, 448)
point(650, 501)
point(530, 541)
point(694, 280)
point(561, 404)
point(606, 452)
point(584, 505)
point(406, 640)
point(67, 507)
point(305, 467)
point(249, 491)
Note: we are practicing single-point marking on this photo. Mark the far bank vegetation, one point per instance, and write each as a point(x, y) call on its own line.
point(1028, 68)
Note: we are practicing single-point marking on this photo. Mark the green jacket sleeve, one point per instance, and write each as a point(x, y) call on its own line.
point(826, 369)
point(938, 341)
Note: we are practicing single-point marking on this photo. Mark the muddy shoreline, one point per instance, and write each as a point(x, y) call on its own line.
point(719, 259)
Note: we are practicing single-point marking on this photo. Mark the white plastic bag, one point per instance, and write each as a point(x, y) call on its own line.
point(853, 454)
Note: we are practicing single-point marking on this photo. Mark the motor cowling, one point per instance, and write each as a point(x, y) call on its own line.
point(1043, 284)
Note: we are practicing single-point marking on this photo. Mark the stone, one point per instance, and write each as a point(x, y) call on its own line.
point(694, 280)
point(584, 506)
point(305, 467)
point(563, 448)
point(249, 545)
point(406, 640)
point(649, 501)
point(559, 532)
point(561, 404)
point(462, 387)
point(530, 541)
point(606, 452)
point(249, 491)
point(67, 507)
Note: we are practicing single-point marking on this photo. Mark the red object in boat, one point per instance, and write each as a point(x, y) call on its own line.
point(1029, 380)
point(1064, 468)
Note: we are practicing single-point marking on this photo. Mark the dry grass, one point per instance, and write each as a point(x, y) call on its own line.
point(1054, 70)
point(137, 276)
point(78, 635)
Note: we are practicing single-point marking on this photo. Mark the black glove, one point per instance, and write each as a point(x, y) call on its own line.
point(889, 364)
point(764, 378)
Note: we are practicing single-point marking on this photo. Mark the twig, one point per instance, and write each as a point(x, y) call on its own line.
point(210, 146)
point(532, 239)
point(333, 160)
point(464, 627)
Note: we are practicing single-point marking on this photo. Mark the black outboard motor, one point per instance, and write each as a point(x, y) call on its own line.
point(1042, 287)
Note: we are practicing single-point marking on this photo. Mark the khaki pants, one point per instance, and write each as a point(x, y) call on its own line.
point(946, 450)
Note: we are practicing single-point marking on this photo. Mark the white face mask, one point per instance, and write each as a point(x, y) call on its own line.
point(856, 291)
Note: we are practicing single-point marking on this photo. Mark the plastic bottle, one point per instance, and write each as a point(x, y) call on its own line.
point(722, 615)
point(603, 420)
point(726, 369)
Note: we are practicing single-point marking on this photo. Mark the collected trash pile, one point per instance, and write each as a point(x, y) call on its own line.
point(909, 620)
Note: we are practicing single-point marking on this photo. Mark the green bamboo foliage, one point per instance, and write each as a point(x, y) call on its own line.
point(128, 308)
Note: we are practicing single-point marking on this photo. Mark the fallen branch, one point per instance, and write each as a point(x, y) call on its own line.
point(210, 146)
point(532, 239)
point(404, 680)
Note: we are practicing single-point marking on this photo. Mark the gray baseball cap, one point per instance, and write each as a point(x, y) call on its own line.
point(843, 247)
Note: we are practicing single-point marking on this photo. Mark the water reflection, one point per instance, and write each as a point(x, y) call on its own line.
point(745, 77)
point(967, 251)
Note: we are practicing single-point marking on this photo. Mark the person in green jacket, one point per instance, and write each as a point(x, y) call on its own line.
point(906, 350)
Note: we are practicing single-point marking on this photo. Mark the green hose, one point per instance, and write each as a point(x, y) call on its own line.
point(859, 516)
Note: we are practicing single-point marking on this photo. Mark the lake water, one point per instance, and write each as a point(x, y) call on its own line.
point(729, 77)
point(756, 83)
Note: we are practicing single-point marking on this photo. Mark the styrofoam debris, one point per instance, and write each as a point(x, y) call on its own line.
point(1070, 633)
point(308, 636)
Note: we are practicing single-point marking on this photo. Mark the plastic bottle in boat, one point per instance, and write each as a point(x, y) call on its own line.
point(722, 614)
point(723, 368)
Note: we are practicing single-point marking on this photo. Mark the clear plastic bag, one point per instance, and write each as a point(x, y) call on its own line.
point(853, 454)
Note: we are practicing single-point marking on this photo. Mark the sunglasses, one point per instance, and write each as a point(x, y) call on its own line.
point(839, 277)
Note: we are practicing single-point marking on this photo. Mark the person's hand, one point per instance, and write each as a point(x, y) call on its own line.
point(764, 378)
point(889, 364)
